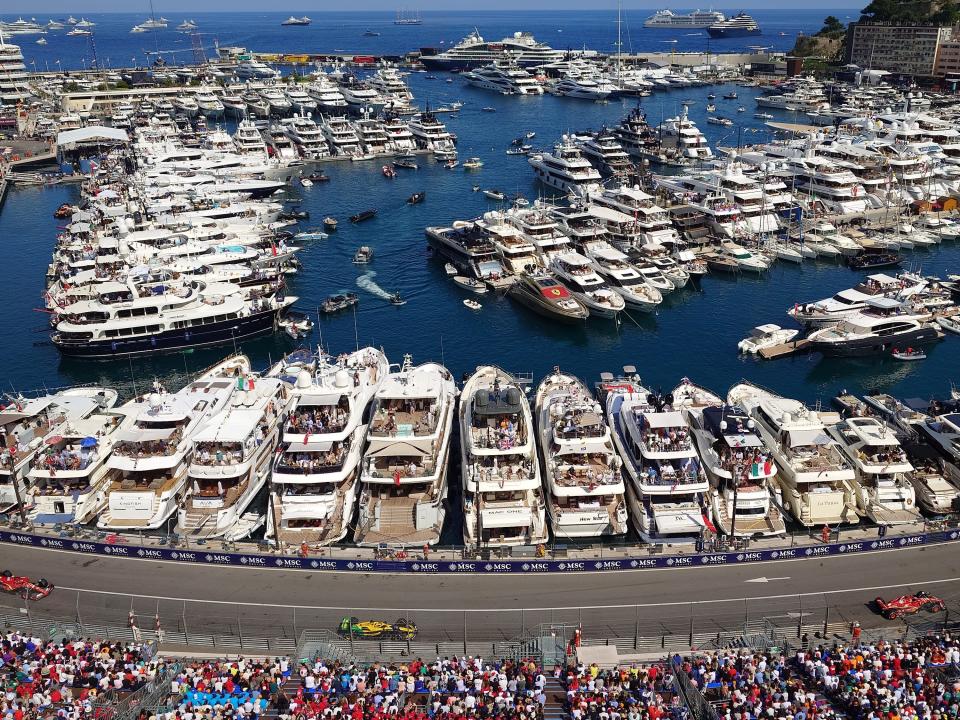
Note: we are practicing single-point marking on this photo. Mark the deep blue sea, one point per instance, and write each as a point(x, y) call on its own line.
point(343, 31)
point(694, 333)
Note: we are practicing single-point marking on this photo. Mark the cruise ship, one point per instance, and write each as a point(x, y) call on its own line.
point(231, 461)
point(741, 25)
point(697, 20)
point(503, 502)
point(315, 475)
point(404, 469)
point(581, 469)
point(473, 51)
point(152, 457)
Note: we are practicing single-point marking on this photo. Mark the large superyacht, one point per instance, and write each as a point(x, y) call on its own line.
point(315, 476)
point(503, 503)
point(473, 51)
point(581, 468)
point(404, 468)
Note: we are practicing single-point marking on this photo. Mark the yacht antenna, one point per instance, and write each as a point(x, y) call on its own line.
point(320, 329)
point(356, 336)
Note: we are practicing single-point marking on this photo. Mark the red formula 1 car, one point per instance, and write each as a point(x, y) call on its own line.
point(24, 586)
point(909, 604)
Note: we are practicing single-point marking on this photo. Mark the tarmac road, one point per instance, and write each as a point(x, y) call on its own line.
point(268, 602)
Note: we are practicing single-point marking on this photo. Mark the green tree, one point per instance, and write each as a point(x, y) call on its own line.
point(831, 26)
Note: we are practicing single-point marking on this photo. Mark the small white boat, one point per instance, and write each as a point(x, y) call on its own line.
point(306, 182)
point(495, 194)
point(909, 354)
point(472, 304)
point(763, 336)
point(783, 251)
point(471, 284)
point(362, 156)
point(296, 327)
point(473, 163)
point(950, 324)
point(450, 270)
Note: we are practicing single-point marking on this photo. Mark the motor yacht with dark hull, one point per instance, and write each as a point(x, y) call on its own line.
point(545, 295)
point(875, 331)
point(469, 248)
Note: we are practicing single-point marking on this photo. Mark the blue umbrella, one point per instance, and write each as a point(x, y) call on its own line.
point(88, 442)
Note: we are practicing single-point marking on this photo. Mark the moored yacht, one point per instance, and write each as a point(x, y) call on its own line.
point(152, 456)
point(315, 476)
point(581, 469)
point(666, 484)
point(814, 478)
point(503, 502)
point(566, 169)
point(231, 461)
point(578, 274)
point(882, 327)
point(404, 468)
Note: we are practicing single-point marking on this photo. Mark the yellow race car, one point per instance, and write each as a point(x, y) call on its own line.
point(402, 629)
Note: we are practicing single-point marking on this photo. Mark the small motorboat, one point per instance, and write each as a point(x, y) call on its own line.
point(295, 214)
point(732, 95)
point(711, 96)
point(450, 270)
point(362, 156)
point(336, 303)
point(330, 223)
point(711, 107)
point(364, 215)
point(450, 164)
point(388, 172)
point(318, 177)
point(516, 151)
point(874, 260)
point(763, 116)
point(473, 163)
point(764, 336)
point(306, 182)
point(406, 164)
point(64, 211)
point(950, 324)
point(395, 299)
point(417, 197)
point(471, 284)
point(520, 201)
point(726, 122)
point(472, 304)
point(488, 109)
point(476, 188)
point(296, 325)
point(741, 109)
point(530, 135)
point(909, 354)
point(363, 255)
point(495, 194)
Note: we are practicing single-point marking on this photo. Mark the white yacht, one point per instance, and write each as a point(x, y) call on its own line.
point(814, 478)
point(330, 100)
point(25, 422)
point(579, 275)
point(581, 469)
point(624, 279)
point(341, 137)
point(832, 310)
point(503, 502)
point(389, 83)
point(431, 134)
point(69, 476)
point(581, 88)
point(696, 20)
point(372, 136)
point(885, 325)
point(209, 104)
point(607, 155)
point(152, 456)
point(303, 131)
point(231, 461)
point(400, 139)
point(882, 484)
point(740, 468)
point(404, 468)
point(504, 77)
point(362, 99)
point(473, 51)
point(681, 136)
point(943, 432)
point(254, 70)
point(666, 481)
point(248, 140)
point(315, 477)
point(14, 79)
point(300, 101)
point(566, 169)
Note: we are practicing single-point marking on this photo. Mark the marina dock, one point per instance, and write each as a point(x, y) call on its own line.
point(795, 347)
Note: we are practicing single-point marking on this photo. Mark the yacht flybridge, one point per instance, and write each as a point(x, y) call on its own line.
point(317, 466)
point(581, 469)
point(503, 502)
point(404, 468)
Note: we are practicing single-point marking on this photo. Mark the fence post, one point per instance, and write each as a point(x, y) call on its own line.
point(826, 619)
point(239, 627)
point(79, 619)
point(186, 634)
point(523, 624)
point(746, 615)
point(691, 625)
point(636, 627)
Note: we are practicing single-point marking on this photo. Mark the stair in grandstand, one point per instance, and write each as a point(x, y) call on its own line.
point(554, 708)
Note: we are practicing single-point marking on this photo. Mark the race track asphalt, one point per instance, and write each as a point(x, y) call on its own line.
point(268, 602)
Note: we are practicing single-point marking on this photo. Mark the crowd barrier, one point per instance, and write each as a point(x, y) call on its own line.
point(500, 566)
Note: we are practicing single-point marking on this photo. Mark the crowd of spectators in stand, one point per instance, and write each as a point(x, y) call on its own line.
point(450, 688)
point(916, 680)
point(241, 688)
point(67, 679)
point(621, 693)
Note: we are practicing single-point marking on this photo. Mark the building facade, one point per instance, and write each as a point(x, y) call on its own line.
point(897, 48)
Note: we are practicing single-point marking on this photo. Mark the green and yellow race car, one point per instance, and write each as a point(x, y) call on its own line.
point(402, 629)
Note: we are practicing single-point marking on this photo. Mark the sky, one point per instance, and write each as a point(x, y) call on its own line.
point(77, 7)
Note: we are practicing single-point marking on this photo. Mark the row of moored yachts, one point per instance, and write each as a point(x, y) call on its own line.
point(355, 448)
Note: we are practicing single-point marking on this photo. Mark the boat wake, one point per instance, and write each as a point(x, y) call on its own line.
point(366, 282)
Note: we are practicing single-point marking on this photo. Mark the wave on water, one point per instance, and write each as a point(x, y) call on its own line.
point(366, 282)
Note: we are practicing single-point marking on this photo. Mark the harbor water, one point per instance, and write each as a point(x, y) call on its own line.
point(694, 333)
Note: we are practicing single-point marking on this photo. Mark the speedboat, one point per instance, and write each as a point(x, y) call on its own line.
point(545, 295)
point(764, 336)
